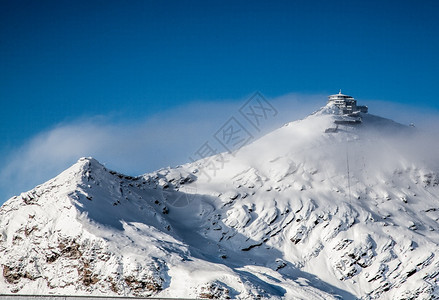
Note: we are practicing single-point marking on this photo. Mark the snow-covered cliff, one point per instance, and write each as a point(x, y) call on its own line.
point(303, 212)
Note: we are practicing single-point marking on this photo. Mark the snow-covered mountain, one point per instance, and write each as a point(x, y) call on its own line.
point(313, 210)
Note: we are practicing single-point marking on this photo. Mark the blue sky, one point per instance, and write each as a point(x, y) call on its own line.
point(130, 64)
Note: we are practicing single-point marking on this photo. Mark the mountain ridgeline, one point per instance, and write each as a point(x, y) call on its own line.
point(339, 205)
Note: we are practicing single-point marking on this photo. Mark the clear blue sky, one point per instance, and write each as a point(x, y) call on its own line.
point(60, 60)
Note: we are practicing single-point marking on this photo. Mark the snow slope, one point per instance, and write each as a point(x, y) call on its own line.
point(300, 213)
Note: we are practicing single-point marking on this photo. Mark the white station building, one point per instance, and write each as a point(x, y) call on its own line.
point(347, 104)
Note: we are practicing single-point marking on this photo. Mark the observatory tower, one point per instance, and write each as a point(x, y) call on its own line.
point(346, 104)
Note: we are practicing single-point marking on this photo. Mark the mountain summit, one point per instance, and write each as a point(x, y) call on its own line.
point(340, 205)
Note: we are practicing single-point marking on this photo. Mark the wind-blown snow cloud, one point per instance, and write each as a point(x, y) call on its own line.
point(165, 139)
point(423, 118)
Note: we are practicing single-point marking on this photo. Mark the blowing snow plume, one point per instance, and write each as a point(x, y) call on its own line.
point(133, 147)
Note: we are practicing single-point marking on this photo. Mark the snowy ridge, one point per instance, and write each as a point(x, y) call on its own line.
point(301, 213)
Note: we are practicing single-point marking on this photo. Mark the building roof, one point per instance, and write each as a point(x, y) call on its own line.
point(339, 95)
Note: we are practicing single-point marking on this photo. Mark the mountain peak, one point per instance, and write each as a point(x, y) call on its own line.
point(88, 163)
point(89, 159)
point(303, 212)
point(346, 115)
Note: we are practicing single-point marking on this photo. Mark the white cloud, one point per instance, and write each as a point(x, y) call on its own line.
point(168, 138)
point(136, 147)
point(423, 117)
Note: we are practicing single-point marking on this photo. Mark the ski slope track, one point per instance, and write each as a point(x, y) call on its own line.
point(302, 213)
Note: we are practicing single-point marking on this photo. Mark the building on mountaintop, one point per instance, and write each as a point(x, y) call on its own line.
point(346, 104)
